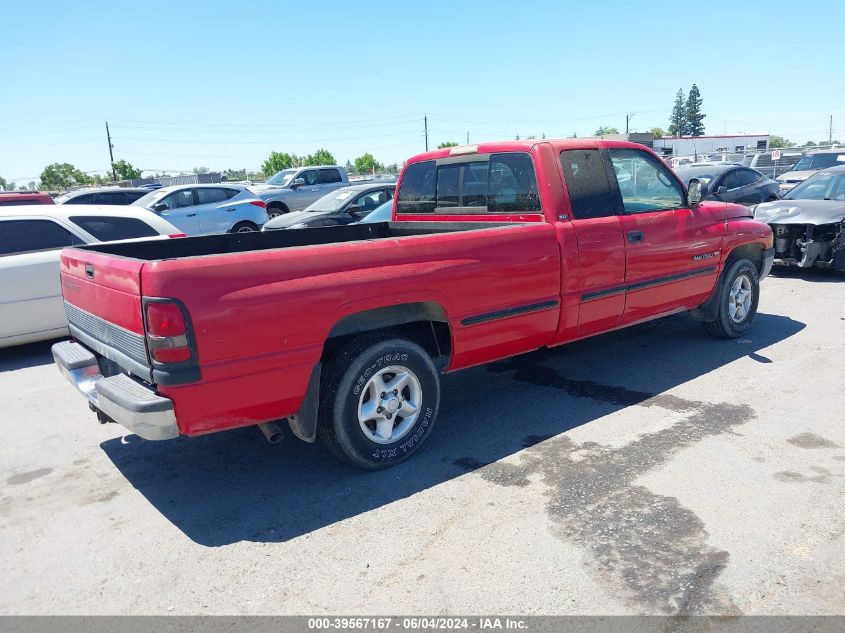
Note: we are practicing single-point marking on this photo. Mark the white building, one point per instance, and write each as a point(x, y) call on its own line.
point(692, 145)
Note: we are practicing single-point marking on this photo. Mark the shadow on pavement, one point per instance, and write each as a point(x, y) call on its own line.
point(813, 275)
point(24, 356)
point(234, 486)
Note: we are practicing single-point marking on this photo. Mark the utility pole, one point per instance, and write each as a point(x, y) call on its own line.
point(425, 123)
point(467, 137)
point(830, 131)
point(111, 153)
point(628, 117)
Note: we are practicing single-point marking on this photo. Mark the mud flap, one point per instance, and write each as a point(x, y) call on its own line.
point(709, 310)
point(303, 424)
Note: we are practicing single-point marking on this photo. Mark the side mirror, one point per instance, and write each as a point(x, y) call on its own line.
point(297, 182)
point(158, 208)
point(696, 191)
point(353, 209)
point(721, 191)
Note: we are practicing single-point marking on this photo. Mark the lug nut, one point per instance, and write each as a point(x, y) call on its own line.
point(379, 410)
point(383, 395)
point(395, 392)
point(389, 416)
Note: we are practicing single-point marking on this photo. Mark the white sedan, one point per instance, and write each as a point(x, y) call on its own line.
point(204, 209)
point(31, 239)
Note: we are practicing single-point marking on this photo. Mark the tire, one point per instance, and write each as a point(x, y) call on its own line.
point(276, 210)
point(736, 308)
point(351, 382)
point(244, 227)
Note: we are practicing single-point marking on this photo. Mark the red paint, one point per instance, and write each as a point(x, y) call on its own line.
point(260, 319)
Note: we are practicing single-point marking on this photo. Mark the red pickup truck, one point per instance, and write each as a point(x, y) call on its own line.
point(493, 250)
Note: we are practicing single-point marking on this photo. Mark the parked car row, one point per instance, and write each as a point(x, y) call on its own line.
point(31, 239)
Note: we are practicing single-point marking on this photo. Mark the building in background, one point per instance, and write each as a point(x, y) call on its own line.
point(694, 145)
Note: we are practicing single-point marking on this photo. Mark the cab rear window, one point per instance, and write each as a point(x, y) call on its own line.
point(492, 183)
point(107, 229)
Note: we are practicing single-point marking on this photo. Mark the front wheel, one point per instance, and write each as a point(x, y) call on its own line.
point(244, 227)
point(740, 293)
point(379, 400)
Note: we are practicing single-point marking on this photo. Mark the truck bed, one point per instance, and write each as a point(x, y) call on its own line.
point(201, 246)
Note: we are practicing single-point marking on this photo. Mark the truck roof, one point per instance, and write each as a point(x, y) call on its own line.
point(520, 146)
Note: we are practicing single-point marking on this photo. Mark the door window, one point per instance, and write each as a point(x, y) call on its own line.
point(88, 198)
point(644, 183)
point(210, 195)
point(112, 197)
point(23, 236)
point(309, 176)
point(179, 199)
point(747, 177)
point(328, 176)
point(370, 200)
point(729, 181)
point(589, 187)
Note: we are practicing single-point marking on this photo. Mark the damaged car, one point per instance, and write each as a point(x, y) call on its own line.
point(809, 222)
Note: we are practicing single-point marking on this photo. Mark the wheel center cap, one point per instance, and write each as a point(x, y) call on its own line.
point(392, 405)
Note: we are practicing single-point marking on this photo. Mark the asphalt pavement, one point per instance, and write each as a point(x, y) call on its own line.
point(653, 470)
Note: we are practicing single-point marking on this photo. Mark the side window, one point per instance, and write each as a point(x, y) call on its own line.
point(329, 176)
point(747, 177)
point(645, 184)
point(23, 236)
point(729, 181)
point(512, 184)
point(112, 197)
point(588, 184)
point(230, 193)
point(179, 199)
point(370, 200)
point(110, 228)
point(310, 177)
point(88, 198)
point(418, 189)
point(210, 195)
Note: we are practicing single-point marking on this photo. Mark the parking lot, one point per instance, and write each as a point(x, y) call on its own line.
point(652, 470)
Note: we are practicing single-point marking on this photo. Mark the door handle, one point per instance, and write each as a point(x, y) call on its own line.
point(635, 236)
point(191, 215)
point(316, 189)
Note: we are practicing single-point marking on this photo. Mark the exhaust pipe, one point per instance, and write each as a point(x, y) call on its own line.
point(272, 432)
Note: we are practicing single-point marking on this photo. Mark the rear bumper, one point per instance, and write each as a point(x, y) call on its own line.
point(124, 400)
point(768, 261)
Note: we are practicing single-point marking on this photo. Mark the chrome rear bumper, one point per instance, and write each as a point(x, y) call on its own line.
point(127, 402)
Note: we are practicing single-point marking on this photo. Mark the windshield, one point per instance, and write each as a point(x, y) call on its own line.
point(330, 202)
point(819, 161)
point(283, 178)
point(148, 200)
point(823, 186)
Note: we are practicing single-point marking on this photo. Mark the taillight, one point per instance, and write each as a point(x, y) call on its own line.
point(172, 235)
point(167, 333)
point(259, 203)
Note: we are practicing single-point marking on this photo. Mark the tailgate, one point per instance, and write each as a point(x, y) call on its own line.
point(102, 295)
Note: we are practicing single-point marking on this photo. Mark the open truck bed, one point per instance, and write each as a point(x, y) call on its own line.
point(258, 241)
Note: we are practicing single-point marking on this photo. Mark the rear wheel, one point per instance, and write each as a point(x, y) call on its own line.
point(740, 293)
point(379, 400)
point(244, 227)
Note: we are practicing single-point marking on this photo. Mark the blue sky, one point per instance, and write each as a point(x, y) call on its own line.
point(220, 85)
